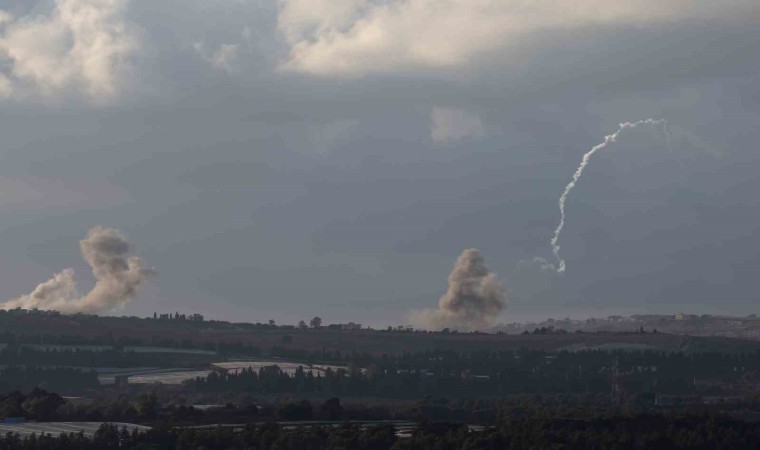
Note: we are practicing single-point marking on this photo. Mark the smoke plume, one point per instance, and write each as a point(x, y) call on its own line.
point(474, 299)
point(561, 266)
point(117, 277)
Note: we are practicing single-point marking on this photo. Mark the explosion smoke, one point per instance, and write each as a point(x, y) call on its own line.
point(117, 278)
point(473, 301)
point(577, 175)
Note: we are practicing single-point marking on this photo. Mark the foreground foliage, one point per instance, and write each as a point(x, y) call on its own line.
point(538, 432)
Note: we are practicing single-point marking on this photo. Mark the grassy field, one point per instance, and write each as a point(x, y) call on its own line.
point(287, 367)
point(168, 377)
point(149, 375)
point(185, 351)
point(56, 428)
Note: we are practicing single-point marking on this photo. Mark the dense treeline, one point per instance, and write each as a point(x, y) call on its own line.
point(439, 372)
point(498, 373)
point(36, 405)
point(698, 364)
point(39, 404)
point(599, 433)
point(152, 409)
point(55, 343)
point(104, 357)
point(54, 378)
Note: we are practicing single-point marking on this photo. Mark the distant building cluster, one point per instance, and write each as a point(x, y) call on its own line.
point(178, 316)
point(350, 326)
point(404, 328)
point(680, 323)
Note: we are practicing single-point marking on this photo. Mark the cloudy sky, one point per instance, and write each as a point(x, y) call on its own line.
point(289, 158)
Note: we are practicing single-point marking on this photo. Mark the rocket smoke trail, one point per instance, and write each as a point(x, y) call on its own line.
point(577, 175)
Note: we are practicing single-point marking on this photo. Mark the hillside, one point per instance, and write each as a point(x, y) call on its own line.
point(82, 329)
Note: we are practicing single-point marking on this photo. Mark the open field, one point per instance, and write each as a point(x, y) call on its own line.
point(50, 347)
point(403, 428)
point(56, 428)
point(287, 367)
point(102, 348)
point(148, 375)
point(168, 377)
point(184, 351)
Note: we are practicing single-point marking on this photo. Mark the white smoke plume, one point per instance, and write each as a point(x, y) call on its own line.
point(473, 301)
point(117, 277)
point(560, 268)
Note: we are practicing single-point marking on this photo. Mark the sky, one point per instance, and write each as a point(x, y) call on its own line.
point(281, 159)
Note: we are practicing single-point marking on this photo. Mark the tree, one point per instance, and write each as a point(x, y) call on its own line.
point(295, 411)
point(10, 405)
point(302, 325)
point(42, 405)
point(147, 405)
point(316, 322)
point(331, 409)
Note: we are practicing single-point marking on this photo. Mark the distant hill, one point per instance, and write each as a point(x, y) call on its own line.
point(189, 334)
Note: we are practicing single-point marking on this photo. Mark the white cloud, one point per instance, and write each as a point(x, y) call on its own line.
point(300, 19)
point(359, 37)
point(79, 46)
point(225, 57)
point(454, 124)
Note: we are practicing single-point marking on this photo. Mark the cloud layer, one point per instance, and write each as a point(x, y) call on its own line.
point(360, 37)
point(81, 47)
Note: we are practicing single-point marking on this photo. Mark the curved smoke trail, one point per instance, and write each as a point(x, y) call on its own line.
point(577, 175)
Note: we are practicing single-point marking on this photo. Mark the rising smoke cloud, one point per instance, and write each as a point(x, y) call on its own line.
point(561, 266)
point(473, 301)
point(117, 277)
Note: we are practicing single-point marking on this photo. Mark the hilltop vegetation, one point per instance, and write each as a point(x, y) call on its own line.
point(308, 342)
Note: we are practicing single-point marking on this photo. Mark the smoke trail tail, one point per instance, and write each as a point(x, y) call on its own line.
point(554, 242)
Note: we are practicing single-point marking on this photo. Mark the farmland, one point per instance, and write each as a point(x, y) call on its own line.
point(287, 367)
point(56, 428)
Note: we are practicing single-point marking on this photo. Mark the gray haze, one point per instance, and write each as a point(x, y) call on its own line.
point(272, 161)
point(473, 301)
point(117, 277)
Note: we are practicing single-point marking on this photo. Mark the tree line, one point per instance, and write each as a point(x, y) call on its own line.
point(53, 378)
point(489, 373)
